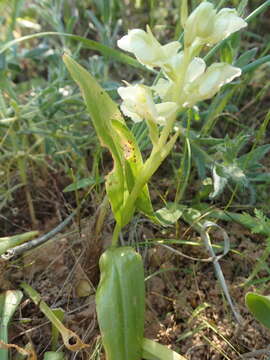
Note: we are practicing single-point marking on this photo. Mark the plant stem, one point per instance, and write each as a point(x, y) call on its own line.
point(116, 233)
point(150, 167)
point(176, 96)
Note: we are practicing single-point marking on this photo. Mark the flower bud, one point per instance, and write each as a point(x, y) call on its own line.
point(184, 12)
point(200, 22)
point(210, 27)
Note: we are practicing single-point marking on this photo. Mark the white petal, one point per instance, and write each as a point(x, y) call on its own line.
point(209, 83)
point(195, 69)
point(162, 87)
point(166, 109)
point(171, 49)
point(129, 42)
point(131, 92)
point(134, 116)
point(146, 47)
point(217, 75)
point(227, 22)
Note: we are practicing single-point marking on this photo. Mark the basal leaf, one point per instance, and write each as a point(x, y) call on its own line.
point(9, 301)
point(259, 306)
point(155, 351)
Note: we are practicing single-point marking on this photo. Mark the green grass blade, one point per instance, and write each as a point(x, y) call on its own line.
point(9, 302)
point(11, 241)
point(255, 64)
point(155, 351)
point(90, 44)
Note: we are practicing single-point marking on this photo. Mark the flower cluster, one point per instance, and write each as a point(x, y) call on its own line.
point(187, 80)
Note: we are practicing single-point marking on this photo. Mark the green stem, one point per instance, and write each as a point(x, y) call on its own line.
point(185, 167)
point(116, 232)
point(153, 132)
point(150, 167)
point(176, 97)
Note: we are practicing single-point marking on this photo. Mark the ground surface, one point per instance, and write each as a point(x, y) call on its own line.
point(185, 308)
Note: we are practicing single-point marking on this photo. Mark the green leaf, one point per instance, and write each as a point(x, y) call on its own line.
point(170, 214)
point(59, 313)
point(120, 303)
point(245, 58)
point(53, 355)
point(255, 64)
point(90, 44)
point(103, 110)
point(9, 242)
point(9, 301)
point(250, 222)
point(254, 156)
point(155, 351)
point(83, 183)
point(259, 306)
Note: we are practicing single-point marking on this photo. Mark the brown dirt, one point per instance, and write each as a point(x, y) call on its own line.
point(185, 308)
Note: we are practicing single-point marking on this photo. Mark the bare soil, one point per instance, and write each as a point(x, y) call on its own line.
point(185, 307)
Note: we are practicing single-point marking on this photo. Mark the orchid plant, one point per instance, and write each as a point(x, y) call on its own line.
point(185, 80)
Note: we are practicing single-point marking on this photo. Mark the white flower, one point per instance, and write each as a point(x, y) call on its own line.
point(208, 83)
point(226, 22)
point(147, 49)
point(139, 105)
point(210, 27)
point(165, 88)
point(198, 83)
point(200, 22)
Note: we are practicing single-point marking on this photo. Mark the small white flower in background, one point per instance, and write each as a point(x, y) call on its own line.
point(65, 91)
point(139, 105)
point(208, 83)
point(147, 49)
point(210, 27)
